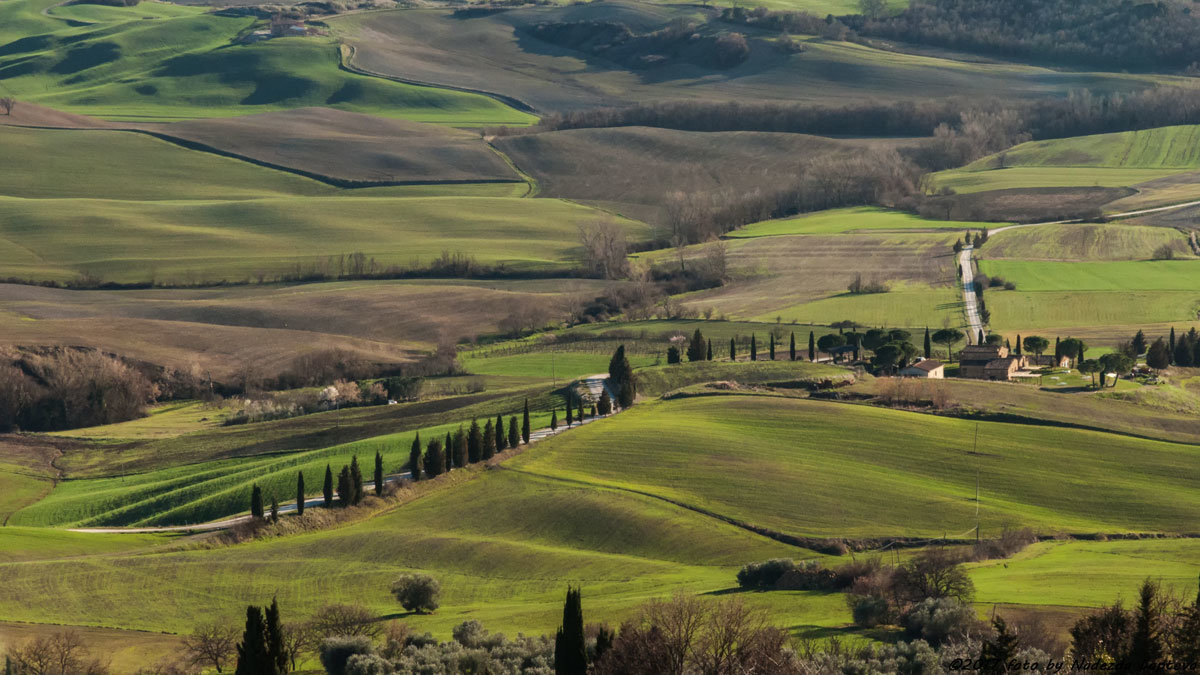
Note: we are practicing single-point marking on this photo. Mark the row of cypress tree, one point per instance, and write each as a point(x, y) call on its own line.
point(468, 446)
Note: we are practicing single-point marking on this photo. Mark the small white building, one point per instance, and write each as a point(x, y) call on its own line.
point(927, 368)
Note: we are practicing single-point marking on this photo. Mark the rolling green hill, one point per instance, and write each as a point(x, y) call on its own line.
point(1162, 148)
point(1084, 242)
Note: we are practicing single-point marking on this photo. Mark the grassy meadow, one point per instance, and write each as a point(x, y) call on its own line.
point(1084, 242)
point(849, 220)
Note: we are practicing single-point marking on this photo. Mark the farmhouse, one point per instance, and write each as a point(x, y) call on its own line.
point(927, 368)
point(1002, 368)
point(973, 360)
point(1047, 361)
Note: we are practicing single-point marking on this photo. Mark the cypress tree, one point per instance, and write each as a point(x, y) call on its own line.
point(554, 420)
point(435, 461)
point(570, 651)
point(274, 509)
point(1171, 344)
point(460, 448)
point(595, 413)
point(514, 434)
point(526, 430)
point(708, 357)
point(1183, 352)
point(1145, 645)
point(792, 347)
point(753, 347)
point(378, 474)
point(299, 493)
point(501, 434)
point(356, 481)
point(488, 449)
point(345, 487)
point(618, 367)
point(812, 346)
point(1018, 344)
point(570, 413)
point(276, 653)
point(327, 489)
point(256, 502)
point(928, 344)
point(580, 411)
point(982, 340)
point(449, 451)
point(475, 441)
point(772, 346)
point(605, 405)
point(695, 351)
point(627, 395)
point(733, 349)
point(414, 457)
point(252, 656)
point(1057, 349)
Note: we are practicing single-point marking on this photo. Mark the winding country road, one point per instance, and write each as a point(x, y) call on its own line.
point(971, 306)
point(594, 384)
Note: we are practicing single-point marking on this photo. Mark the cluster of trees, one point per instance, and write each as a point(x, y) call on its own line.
point(1182, 351)
point(679, 41)
point(1102, 32)
point(60, 653)
point(67, 388)
point(468, 445)
point(978, 240)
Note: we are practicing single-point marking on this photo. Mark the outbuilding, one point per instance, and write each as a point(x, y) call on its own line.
point(927, 368)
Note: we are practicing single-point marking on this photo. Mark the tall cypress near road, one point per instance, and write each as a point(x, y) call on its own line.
point(733, 349)
point(274, 509)
point(812, 346)
point(252, 656)
point(753, 347)
point(695, 351)
point(525, 428)
point(554, 420)
point(327, 489)
point(570, 413)
point(488, 449)
point(580, 411)
point(449, 451)
point(277, 656)
point(514, 434)
point(414, 457)
point(501, 434)
point(299, 493)
point(460, 448)
point(356, 479)
point(928, 344)
point(708, 357)
point(256, 502)
point(1171, 344)
point(570, 650)
point(475, 441)
point(378, 474)
point(345, 487)
point(772, 346)
point(1018, 344)
point(792, 347)
point(619, 369)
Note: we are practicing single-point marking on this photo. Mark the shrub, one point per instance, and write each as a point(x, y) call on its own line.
point(368, 664)
point(1164, 252)
point(764, 574)
point(940, 621)
point(335, 652)
point(417, 592)
point(869, 610)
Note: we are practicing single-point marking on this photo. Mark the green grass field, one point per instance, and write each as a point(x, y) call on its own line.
point(182, 241)
point(979, 180)
point(89, 13)
point(183, 64)
point(1084, 242)
point(856, 219)
point(1161, 148)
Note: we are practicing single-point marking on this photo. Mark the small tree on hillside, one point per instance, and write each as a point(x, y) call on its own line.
point(1036, 344)
point(489, 442)
point(1090, 367)
point(570, 641)
point(1157, 356)
point(460, 448)
point(435, 460)
point(619, 368)
point(792, 347)
point(928, 347)
point(256, 502)
point(475, 442)
point(948, 337)
point(300, 493)
point(605, 404)
point(753, 347)
point(772, 348)
point(831, 341)
point(626, 395)
point(345, 487)
point(378, 474)
point(812, 347)
point(252, 655)
point(356, 481)
point(708, 354)
point(514, 434)
point(274, 509)
point(697, 348)
point(417, 592)
point(580, 410)
point(501, 434)
point(673, 356)
point(276, 653)
point(570, 412)
point(1116, 363)
point(733, 349)
point(414, 457)
point(7, 103)
point(554, 420)
point(210, 644)
point(1018, 344)
point(448, 451)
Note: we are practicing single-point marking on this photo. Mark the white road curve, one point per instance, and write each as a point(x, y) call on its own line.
point(594, 384)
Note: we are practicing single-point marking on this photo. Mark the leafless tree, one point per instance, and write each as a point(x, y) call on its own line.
point(604, 248)
point(62, 653)
point(339, 619)
point(212, 644)
point(298, 638)
point(8, 103)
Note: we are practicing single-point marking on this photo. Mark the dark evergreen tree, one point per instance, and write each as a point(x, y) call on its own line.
point(928, 345)
point(580, 410)
point(475, 441)
point(673, 355)
point(604, 642)
point(1139, 343)
point(792, 347)
point(356, 481)
point(981, 338)
point(733, 349)
point(277, 655)
point(274, 509)
point(708, 355)
point(753, 347)
point(696, 348)
point(570, 642)
point(812, 346)
point(554, 420)
point(489, 442)
point(501, 434)
point(448, 451)
point(514, 434)
point(256, 502)
point(1186, 645)
point(605, 405)
point(1157, 356)
point(327, 489)
point(619, 368)
point(526, 428)
point(345, 487)
point(414, 457)
point(772, 352)
point(1171, 344)
point(626, 395)
point(460, 448)
point(1145, 645)
point(435, 460)
point(1018, 344)
point(570, 413)
point(378, 474)
point(595, 413)
point(1183, 352)
point(252, 655)
point(998, 650)
point(299, 493)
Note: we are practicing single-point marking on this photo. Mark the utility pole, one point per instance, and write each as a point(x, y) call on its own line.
point(975, 451)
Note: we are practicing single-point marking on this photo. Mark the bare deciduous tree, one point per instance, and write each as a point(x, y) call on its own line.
point(7, 103)
point(604, 248)
point(62, 653)
point(340, 619)
point(211, 644)
point(298, 638)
